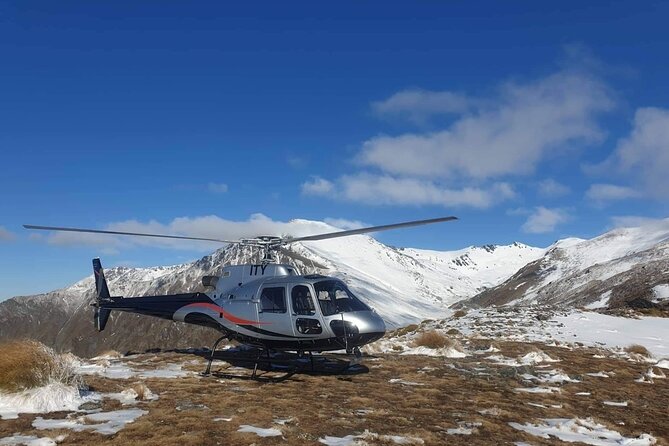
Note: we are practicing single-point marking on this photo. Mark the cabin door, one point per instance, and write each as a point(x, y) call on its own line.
point(273, 313)
point(306, 320)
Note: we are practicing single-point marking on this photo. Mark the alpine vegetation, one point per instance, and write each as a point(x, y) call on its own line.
point(26, 364)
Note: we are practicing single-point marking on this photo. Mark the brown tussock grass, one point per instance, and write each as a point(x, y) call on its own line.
point(141, 390)
point(110, 354)
point(460, 313)
point(433, 339)
point(405, 330)
point(26, 364)
point(638, 350)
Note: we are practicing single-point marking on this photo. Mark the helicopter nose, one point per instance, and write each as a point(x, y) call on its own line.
point(371, 327)
point(359, 327)
point(373, 324)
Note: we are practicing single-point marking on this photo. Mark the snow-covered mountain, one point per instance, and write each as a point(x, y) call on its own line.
point(404, 285)
point(623, 267)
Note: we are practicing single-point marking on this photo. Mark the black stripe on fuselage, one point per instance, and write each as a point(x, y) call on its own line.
point(158, 306)
point(269, 333)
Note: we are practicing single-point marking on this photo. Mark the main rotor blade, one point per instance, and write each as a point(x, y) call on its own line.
point(140, 234)
point(366, 230)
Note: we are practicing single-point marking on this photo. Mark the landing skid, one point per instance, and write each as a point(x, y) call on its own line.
point(265, 363)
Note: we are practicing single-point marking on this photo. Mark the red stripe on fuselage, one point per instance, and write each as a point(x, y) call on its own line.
point(228, 316)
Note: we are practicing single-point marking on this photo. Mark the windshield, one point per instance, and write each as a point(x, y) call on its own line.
point(335, 297)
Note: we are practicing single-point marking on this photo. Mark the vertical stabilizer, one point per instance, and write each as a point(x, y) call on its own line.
point(101, 292)
point(101, 287)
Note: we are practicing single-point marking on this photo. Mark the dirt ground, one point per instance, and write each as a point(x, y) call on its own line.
point(420, 397)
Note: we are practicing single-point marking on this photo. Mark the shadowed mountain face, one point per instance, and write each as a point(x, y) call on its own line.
point(403, 285)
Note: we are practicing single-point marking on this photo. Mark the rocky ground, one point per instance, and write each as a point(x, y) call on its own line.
point(495, 393)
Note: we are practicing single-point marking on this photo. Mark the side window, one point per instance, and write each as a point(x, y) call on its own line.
point(303, 303)
point(273, 300)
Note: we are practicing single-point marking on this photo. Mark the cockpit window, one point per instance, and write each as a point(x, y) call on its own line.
point(335, 297)
point(302, 301)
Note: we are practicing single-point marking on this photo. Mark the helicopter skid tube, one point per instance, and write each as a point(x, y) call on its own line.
point(268, 362)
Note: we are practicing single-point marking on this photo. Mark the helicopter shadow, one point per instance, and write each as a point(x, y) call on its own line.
point(277, 366)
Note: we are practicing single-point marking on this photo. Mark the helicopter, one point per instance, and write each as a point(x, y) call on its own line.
point(266, 305)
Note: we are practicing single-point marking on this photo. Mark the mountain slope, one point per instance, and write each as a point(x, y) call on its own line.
point(623, 267)
point(403, 285)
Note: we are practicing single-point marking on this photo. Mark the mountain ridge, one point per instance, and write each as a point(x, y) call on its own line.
point(618, 269)
point(626, 267)
point(404, 285)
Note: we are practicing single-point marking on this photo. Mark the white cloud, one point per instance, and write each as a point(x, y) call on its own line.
point(544, 220)
point(632, 221)
point(609, 192)
point(342, 223)
point(507, 135)
point(209, 226)
point(418, 105)
point(218, 188)
point(6, 235)
point(644, 154)
point(296, 162)
point(551, 188)
point(518, 211)
point(388, 190)
point(317, 186)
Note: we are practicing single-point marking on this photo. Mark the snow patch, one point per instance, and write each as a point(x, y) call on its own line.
point(50, 398)
point(446, 352)
point(403, 382)
point(598, 374)
point(660, 292)
point(532, 358)
point(551, 376)
point(615, 403)
point(129, 396)
point(464, 428)
point(581, 430)
point(548, 389)
point(360, 440)
point(108, 423)
point(115, 369)
point(222, 419)
point(29, 440)
point(259, 431)
point(603, 302)
point(663, 363)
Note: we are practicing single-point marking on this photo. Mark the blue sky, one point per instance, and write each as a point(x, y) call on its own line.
point(529, 121)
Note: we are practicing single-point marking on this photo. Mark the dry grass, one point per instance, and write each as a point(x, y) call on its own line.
point(433, 339)
point(460, 313)
point(637, 349)
point(404, 330)
point(351, 405)
point(25, 364)
point(110, 354)
point(142, 391)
